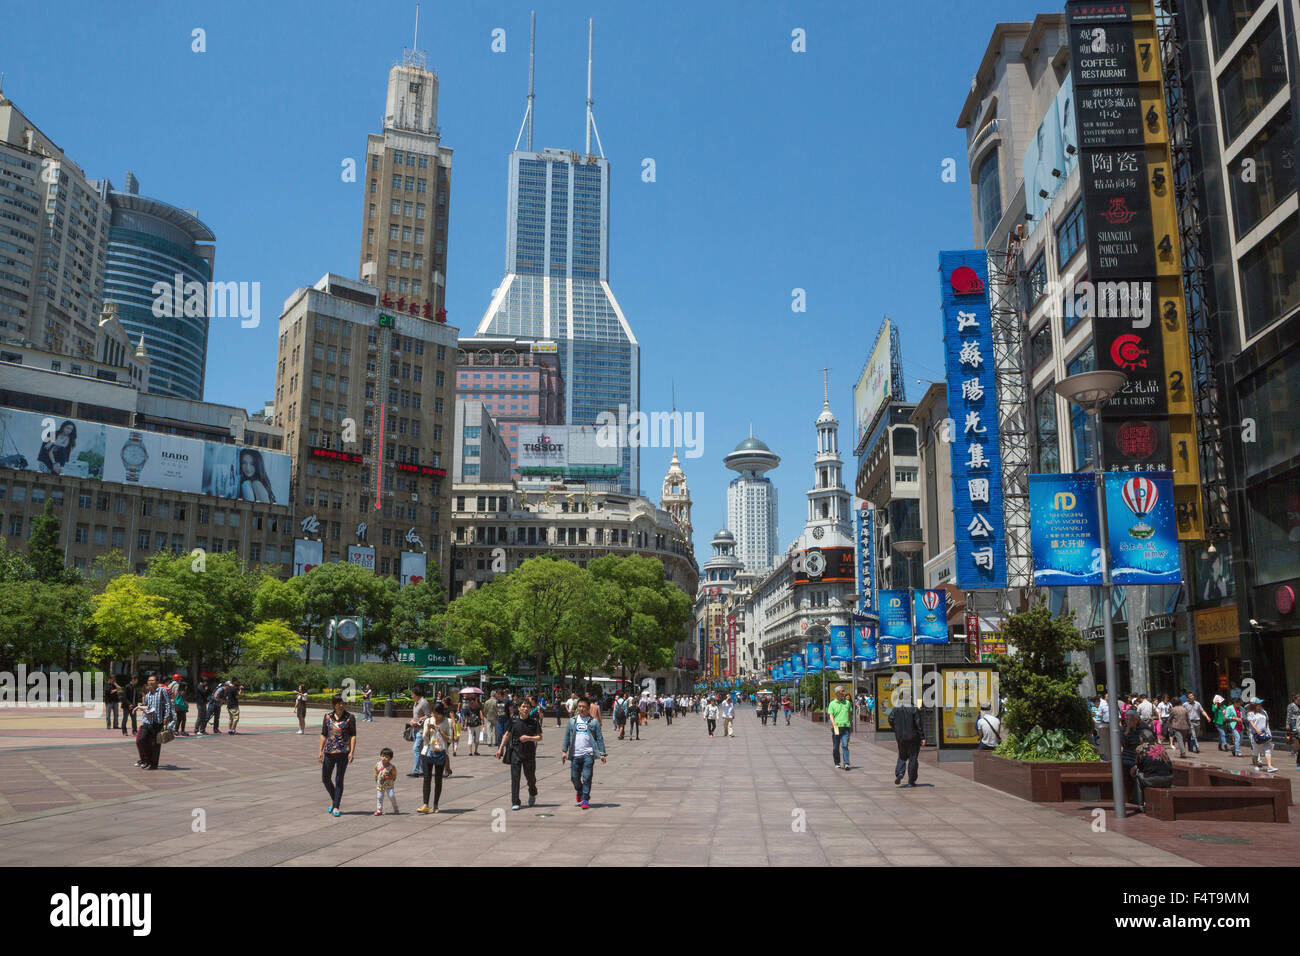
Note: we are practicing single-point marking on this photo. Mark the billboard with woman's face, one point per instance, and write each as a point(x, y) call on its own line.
point(51, 445)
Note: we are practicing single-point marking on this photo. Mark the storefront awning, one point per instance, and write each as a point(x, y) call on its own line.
point(446, 671)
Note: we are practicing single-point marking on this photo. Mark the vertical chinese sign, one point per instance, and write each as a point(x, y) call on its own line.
point(972, 402)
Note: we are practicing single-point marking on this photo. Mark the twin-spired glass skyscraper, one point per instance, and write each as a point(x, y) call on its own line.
point(557, 287)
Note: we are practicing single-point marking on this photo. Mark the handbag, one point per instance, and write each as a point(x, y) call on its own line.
point(166, 736)
point(1260, 738)
point(408, 733)
point(439, 757)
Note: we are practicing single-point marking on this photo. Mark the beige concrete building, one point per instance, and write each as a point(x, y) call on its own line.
point(407, 195)
point(366, 398)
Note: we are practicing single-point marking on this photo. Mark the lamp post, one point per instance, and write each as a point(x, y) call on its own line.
point(1090, 391)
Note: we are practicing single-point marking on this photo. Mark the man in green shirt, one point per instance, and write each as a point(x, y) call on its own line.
point(840, 712)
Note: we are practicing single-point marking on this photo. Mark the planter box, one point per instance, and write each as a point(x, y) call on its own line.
point(1044, 781)
point(818, 718)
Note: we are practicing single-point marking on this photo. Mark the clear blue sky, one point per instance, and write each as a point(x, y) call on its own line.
point(775, 170)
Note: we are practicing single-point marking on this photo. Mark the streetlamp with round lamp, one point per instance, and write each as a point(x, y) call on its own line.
point(1090, 391)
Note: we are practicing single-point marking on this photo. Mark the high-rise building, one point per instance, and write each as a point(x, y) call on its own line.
point(53, 242)
point(480, 453)
point(517, 381)
point(407, 196)
point(556, 285)
point(152, 242)
point(1239, 66)
point(366, 401)
point(751, 503)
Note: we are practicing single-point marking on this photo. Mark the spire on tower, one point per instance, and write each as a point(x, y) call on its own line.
point(591, 117)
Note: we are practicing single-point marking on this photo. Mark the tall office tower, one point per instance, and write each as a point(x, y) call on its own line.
point(53, 242)
point(150, 242)
point(367, 402)
point(751, 503)
point(556, 285)
point(407, 196)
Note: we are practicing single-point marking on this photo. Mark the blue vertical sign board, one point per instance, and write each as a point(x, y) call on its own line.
point(1064, 530)
point(864, 643)
point(814, 654)
point(841, 649)
point(1142, 528)
point(895, 617)
point(866, 570)
point(799, 668)
point(930, 611)
point(978, 526)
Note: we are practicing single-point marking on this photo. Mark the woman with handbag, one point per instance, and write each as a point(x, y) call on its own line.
point(1261, 735)
point(338, 744)
point(154, 723)
point(435, 737)
point(472, 712)
point(300, 708)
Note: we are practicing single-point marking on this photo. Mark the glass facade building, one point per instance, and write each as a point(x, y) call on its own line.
point(153, 242)
point(557, 287)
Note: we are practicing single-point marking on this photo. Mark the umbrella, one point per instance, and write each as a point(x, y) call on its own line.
point(470, 690)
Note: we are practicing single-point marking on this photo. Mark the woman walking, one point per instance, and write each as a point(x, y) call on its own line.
point(711, 716)
point(1261, 736)
point(181, 705)
point(300, 708)
point(338, 743)
point(436, 736)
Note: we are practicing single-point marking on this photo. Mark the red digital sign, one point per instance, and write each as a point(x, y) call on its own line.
point(427, 470)
point(333, 455)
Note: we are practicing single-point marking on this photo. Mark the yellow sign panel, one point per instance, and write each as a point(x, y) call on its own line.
point(1216, 624)
point(903, 654)
point(964, 692)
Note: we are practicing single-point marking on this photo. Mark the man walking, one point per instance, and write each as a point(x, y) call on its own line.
point(909, 734)
point(520, 742)
point(419, 712)
point(156, 713)
point(728, 711)
point(1103, 725)
point(491, 710)
point(1194, 714)
point(840, 714)
point(129, 695)
point(583, 743)
point(669, 706)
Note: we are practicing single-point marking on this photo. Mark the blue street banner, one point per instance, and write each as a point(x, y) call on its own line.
point(979, 529)
point(864, 643)
point(930, 612)
point(895, 617)
point(1064, 530)
point(841, 648)
point(887, 653)
point(866, 569)
point(800, 668)
point(815, 663)
point(1142, 528)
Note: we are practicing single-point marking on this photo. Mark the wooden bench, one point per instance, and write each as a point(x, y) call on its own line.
point(1224, 804)
point(1070, 785)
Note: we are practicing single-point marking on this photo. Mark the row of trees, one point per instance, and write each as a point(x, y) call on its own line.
point(211, 611)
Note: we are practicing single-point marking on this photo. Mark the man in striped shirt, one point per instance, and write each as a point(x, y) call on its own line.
point(156, 714)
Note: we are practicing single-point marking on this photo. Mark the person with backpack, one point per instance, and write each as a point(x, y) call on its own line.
point(988, 727)
point(219, 696)
point(472, 718)
point(583, 743)
point(620, 716)
point(232, 704)
point(1261, 735)
point(181, 706)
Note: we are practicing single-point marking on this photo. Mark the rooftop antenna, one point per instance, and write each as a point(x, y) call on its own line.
point(528, 113)
point(415, 44)
point(413, 57)
point(591, 117)
point(674, 416)
point(826, 385)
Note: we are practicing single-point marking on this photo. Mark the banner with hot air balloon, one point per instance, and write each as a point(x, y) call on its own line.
point(930, 613)
point(864, 643)
point(1142, 528)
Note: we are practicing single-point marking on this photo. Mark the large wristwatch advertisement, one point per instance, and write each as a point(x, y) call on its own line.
point(134, 456)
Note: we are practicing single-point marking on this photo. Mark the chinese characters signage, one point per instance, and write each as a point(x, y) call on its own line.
point(866, 578)
point(1065, 532)
point(972, 403)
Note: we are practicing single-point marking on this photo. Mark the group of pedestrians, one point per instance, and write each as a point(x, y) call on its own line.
point(156, 711)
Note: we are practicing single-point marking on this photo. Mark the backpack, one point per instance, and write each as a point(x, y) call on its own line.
point(620, 710)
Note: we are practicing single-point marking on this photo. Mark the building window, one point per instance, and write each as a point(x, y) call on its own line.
point(1227, 18)
point(990, 194)
point(1269, 398)
point(1036, 279)
point(1253, 78)
point(1040, 345)
point(1270, 277)
point(1069, 235)
point(1273, 155)
point(1046, 448)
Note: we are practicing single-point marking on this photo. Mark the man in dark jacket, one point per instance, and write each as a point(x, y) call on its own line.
point(909, 733)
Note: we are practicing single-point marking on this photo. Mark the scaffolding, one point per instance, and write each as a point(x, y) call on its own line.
point(1209, 424)
point(1013, 406)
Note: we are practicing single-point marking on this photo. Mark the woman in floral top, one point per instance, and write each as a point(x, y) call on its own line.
point(338, 743)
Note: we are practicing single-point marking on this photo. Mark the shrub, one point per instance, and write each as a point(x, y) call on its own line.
point(1041, 684)
point(1039, 744)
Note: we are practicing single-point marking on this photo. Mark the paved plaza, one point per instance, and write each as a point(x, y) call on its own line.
point(69, 795)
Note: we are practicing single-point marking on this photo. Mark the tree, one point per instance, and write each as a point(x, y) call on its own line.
point(274, 599)
point(268, 641)
point(128, 619)
point(647, 614)
point(479, 625)
point(104, 569)
point(546, 599)
point(43, 551)
point(341, 590)
point(43, 607)
point(213, 596)
point(417, 614)
point(1041, 684)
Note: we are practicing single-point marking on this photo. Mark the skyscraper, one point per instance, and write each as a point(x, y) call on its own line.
point(407, 196)
point(150, 242)
point(556, 285)
point(751, 503)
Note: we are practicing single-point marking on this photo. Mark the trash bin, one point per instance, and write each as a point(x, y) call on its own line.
point(388, 706)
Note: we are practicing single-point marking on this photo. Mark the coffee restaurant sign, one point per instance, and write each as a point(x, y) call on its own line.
point(1216, 624)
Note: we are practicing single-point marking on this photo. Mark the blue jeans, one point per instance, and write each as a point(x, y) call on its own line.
point(580, 774)
point(840, 741)
point(418, 765)
point(365, 709)
point(1236, 742)
point(1191, 738)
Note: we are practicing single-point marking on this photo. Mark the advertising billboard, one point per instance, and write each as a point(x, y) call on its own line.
point(68, 446)
point(826, 565)
point(1141, 527)
point(414, 566)
point(895, 617)
point(873, 388)
point(1064, 530)
point(557, 447)
point(864, 643)
point(979, 528)
point(866, 560)
point(1048, 152)
point(364, 556)
point(841, 646)
point(307, 554)
point(930, 614)
point(815, 662)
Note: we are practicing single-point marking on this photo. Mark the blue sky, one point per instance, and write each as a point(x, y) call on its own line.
point(775, 170)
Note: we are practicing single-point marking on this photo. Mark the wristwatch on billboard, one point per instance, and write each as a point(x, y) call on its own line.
point(134, 456)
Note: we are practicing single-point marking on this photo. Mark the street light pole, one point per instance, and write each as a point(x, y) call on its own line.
point(1090, 391)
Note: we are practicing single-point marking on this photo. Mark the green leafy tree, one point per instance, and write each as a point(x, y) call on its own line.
point(267, 642)
point(547, 599)
point(128, 620)
point(416, 619)
point(43, 549)
point(43, 614)
point(646, 613)
point(343, 590)
point(479, 626)
point(213, 595)
point(1041, 684)
point(104, 569)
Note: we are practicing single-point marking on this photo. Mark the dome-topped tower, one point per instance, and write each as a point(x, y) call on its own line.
point(676, 497)
point(721, 569)
point(751, 503)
